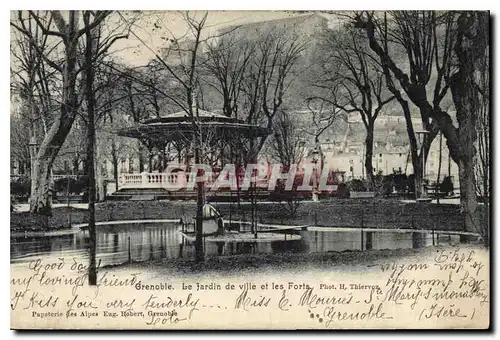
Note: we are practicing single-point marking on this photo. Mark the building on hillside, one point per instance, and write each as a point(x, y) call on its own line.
point(343, 147)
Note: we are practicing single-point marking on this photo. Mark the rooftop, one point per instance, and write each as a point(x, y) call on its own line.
point(183, 116)
point(178, 126)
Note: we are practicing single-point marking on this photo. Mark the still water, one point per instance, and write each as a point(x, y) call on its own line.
point(116, 244)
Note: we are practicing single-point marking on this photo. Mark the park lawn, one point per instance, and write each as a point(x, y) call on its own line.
point(357, 213)
point(354, 213)
point(250, 264)
point(27, 222)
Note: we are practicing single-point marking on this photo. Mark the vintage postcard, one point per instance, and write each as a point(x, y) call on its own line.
point(250, 170)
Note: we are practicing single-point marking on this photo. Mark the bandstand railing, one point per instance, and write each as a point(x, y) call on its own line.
point(169, 181)
point(57, 177)
point(148, 180)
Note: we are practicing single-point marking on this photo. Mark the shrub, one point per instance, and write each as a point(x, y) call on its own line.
point(12, 204)
point(76, 186)
point(411, 184)
point(400, 182)
point(446, 186)
point(343, 191)
point(61, 184)
point(20, 187)
point(357, 185)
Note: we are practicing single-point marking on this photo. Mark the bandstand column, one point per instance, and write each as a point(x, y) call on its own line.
point(150, 158)
point(164, 157)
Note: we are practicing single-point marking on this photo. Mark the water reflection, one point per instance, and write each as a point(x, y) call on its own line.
point(117, 244)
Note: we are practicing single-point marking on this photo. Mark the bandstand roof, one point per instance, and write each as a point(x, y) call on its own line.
point(201, 115)
point(178, 126)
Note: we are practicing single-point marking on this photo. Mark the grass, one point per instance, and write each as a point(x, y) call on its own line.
point(249, 264)
point(288, 261)
point(382, 213)
point(387, 214)
point(28, 222)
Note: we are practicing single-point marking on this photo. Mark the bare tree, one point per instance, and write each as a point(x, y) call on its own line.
point(226, 63)
point(356, 83)
point(252, 75)
point(269, 74)
point(91, 44)
point(470, 48)
point(323, 113)
point(425, 38)
point(451, 43)
point(19, 147)
point(131, 88)
point(287, 143)
point(111, 147)
point(483, 128)
point(288, 146)
point(68, 32)
point(483, 163)
point(99, 97)
point(181, 60)
point(32, 79)
point(440, 161)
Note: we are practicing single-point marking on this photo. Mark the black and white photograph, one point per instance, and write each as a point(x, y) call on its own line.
point(250, 170)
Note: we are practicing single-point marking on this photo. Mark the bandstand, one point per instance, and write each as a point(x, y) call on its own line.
point(222, 137)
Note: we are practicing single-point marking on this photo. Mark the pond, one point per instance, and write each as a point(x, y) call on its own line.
point(116, 244)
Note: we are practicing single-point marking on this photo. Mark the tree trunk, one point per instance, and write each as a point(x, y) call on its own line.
point(32, 169)
point(33, 139)
point(417, 173)
point(150, 161)
point(76, 160)
point(90, 101)
point(415, 92)
point(199, 253)
point(163, 158)
point(141, 159)
point(369, 155)
point(468, 199)
point(114, 161)
point(415, 159)
point(437, 190)
point(60, 128)
point(101, 185)
point(39, 200)
point(470, 46)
